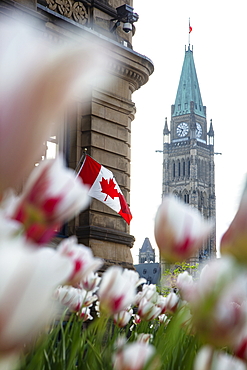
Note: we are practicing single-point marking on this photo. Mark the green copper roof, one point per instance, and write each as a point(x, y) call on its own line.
point(188, 88)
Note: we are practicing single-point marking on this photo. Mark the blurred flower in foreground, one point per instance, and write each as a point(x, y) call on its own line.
point(82, 258)
point(117, 289)
point(179, 229)
point(51, 196)
point(33, 90)
point(134, 356)
point(208, 359)
point(28, 279)
point(218, 302)
point(234, 240)
point(240, 345)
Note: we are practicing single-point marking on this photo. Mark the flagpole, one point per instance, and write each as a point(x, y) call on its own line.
point(190, 29)
point(83, 156)
point(189, 34)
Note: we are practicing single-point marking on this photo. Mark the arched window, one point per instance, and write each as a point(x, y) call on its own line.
point(173, 170)
point(186, 198)
point(203, 170)
point(188, 167)
point(179, 169)
point(183, 168)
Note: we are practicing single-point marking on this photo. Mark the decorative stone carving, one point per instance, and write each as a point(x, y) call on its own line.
point(69, 8)
point(79, 12)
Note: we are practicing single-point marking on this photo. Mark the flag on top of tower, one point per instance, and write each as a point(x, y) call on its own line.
point(104, 187)
point(190, 28)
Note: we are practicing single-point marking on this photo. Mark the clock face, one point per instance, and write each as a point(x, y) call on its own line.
point(198, 130)
point(182, 129)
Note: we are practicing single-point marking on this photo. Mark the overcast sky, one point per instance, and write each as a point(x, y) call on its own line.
point(219, 32)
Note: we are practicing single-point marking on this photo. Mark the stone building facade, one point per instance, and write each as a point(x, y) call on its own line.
point(188, 152)
point(101, 121)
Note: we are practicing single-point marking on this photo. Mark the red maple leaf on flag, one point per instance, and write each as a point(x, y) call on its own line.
point(108, 187)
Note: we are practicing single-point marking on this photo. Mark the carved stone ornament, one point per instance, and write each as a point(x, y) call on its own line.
point(69, 8)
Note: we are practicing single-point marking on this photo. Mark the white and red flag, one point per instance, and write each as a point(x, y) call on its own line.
point(104, 187)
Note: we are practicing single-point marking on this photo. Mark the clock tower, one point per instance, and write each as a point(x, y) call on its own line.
point(188, 152)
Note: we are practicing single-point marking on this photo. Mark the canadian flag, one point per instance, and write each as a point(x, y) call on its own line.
point(104, 187)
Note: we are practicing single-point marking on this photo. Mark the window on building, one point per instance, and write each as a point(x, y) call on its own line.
point(51, 148)
point(184, 168)
point(188, 167)
point(186, 198)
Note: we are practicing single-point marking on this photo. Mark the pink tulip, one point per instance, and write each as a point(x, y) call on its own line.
point(161, 303)
point(147, 310)
point(218, 302)
point(136, 319)
point(234, 240)
point(85, 314)
point(163, 319)
point(149, 292)
point(73, 298)
point(90, 282)
point(51, 196)
point(144, 337)
point(117, 290)
point(185, 285)
point(168, 304)
point(240, 346)
point(69, 297)
point(179, 230)
point(134, 356)
point(33, 92)
point(82, 258)
point(208, 359)
point(122, 318)
point(28, 278)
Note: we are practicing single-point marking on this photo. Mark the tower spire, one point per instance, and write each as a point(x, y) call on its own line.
point(188, 89)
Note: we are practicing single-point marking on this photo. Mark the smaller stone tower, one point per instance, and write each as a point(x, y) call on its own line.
point(146, 252)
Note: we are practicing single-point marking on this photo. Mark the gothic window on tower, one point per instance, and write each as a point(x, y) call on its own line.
point(183, 166)
point(188, 167)
point(199, 169)
point(186, 198)
point(173, 170)
point(203, 170)
point(200, 201)
point(179, 169)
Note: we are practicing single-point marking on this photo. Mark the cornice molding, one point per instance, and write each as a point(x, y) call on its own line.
point(136, 77)
point(108, 235)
